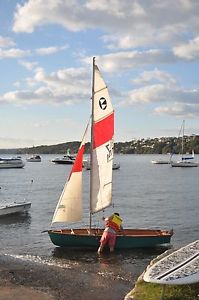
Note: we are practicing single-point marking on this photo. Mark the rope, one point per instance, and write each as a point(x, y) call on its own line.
point(31, 183)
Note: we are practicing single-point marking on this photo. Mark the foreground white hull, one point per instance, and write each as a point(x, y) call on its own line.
point(15, 208)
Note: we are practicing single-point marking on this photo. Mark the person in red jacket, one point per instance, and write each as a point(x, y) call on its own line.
point(112, 225)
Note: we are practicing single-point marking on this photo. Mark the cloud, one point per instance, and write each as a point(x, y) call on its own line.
point(160, 87)
point(189, 50)
point(6, 42)
point(134, 23)
point(71, 86)
point(179, 110)
point(166, 92)
point(66, 86)
point(128, 60)
point(69, 14)
point(148, 94)
point(19, 53)
point(13, 53)
point(154, 75)
point(28, 65)
point(50, 50)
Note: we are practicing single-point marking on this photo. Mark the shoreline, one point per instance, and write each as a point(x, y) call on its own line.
point(22, 280)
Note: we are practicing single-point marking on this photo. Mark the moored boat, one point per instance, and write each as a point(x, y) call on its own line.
point(8, 208)
point(34, 158)
point(14, 208)
point(160, 162)
point(186, 161)
point(185, 164)
point(65, 160)
point(11, 163)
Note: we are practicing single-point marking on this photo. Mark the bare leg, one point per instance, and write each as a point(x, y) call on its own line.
point(111, 249)
point(100, 249)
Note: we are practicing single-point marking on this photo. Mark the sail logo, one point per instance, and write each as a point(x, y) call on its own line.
point(109, 148)
point(102, 103)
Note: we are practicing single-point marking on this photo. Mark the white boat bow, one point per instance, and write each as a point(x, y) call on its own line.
point(14, 208)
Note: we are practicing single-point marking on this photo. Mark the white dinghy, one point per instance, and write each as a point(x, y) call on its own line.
point(17, 207)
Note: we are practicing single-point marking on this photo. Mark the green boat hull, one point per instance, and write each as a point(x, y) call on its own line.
point(129, 239)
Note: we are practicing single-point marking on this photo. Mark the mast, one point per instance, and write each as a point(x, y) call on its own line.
point(183, 138)
point(91, 144)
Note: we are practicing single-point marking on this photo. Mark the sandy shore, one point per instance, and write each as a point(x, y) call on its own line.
point(22, 280)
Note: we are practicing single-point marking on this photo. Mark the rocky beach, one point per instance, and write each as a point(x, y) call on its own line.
point(22, 280)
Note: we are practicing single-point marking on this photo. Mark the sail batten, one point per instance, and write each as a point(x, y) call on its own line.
point(100, 90)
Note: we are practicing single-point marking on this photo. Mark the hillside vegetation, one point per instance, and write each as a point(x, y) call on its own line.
point(141, 146)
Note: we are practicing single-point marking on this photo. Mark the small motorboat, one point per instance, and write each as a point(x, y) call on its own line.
point(66, 159)
point(8, 208)
point(14, 162)
point(184, 164)
point(34, 158)
point(14, 208)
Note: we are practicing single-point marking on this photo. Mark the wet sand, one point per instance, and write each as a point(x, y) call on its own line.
point(22, 280)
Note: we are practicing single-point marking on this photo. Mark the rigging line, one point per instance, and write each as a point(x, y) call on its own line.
point(28, 193)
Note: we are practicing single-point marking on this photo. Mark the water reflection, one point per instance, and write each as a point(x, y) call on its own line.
point(81, 255)
point(119, 257)
point(16, 219)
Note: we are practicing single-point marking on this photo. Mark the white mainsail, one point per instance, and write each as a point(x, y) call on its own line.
point(69, 207)
point(102, 144)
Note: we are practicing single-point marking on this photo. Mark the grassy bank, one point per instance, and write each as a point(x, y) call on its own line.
point(149, 291)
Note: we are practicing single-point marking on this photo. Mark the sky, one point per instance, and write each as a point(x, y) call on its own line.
point(146, 50)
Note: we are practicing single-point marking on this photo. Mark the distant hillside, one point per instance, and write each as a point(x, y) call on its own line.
point(45, 149)
point(161, 145)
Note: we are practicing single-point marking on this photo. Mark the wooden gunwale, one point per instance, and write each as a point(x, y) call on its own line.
point(125, 232)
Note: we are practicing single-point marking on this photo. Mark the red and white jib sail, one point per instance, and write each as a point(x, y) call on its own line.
point(102, 149)
point(69, 207)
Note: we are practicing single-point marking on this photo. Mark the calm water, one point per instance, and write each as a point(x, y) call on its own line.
point(146, 195)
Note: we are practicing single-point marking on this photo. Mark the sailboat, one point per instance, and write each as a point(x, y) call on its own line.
point(69, 207)
point(186, 160)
